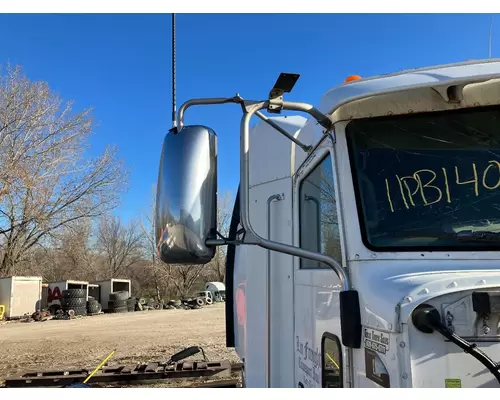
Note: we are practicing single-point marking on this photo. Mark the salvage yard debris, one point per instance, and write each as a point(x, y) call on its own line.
point(127, 374)
point(139, 338)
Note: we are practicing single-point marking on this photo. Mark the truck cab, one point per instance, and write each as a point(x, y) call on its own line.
point(372, 228)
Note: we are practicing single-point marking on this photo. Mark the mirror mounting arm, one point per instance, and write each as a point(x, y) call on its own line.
point(207, 101)
point(244, 104)
point(251, 109)
point(222, 242)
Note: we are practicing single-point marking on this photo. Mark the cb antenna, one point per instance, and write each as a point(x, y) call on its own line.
point(489, 37)
point(174, 111)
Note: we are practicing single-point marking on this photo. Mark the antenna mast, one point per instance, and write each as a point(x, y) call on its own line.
point(174, 111)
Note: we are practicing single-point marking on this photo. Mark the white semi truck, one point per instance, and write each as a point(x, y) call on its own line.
point(364, 248)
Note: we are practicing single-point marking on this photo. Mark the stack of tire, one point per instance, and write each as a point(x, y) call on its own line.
point(118, 302)
point(76, 300)
point(131, 302)
point(175, 304)
point(93, 306)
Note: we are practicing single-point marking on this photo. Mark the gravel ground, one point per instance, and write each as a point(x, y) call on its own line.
point(138, 337)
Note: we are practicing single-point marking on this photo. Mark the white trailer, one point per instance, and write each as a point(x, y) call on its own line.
point(385, 196)
point(218, 290)
point(20, 295)
point(94, 291)
point(55, 290)
point(110, 286)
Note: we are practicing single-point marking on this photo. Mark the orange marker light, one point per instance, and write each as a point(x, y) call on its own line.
point(352, 78)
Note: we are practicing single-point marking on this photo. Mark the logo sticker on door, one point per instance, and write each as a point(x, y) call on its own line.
point(376, 340)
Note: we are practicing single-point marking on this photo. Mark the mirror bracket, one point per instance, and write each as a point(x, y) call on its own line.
point(239, 239)
point(284, 84)
point(221, 242)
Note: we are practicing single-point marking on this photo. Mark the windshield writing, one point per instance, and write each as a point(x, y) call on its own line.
point(422, 179)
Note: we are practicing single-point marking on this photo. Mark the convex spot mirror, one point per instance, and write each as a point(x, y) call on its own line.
point(186, 197)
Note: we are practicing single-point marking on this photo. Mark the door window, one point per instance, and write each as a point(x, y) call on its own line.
point(319, 227)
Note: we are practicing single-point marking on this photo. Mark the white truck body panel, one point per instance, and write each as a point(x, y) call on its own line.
point(251, 261)
point(20, 295)
point(390, 284)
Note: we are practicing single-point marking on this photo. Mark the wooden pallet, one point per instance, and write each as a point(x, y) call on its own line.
point(128, 374)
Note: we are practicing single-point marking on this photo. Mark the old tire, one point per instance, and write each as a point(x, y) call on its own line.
point(79, 310)
point(175, 303)
point(199, 302)
point(131, 304)
point(117, 304)
point(119, 310)
point(93, 307)
point(209, 301)
point(74, 294)
point(122, 295)
point(73, 302)
point(54, 308)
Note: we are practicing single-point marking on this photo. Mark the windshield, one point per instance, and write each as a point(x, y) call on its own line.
point(428, 180)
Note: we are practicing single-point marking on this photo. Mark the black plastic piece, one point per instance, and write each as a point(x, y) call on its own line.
point(181, 355)
point(421, 320)
point(350, 319)
point(230, 256)
point(286, 82)
point(486, 302)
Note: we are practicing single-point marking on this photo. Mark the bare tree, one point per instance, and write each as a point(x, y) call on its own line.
point(120, 246)
point(183, 277)
point(157, 267)
point(46, 181)
point(73, 255)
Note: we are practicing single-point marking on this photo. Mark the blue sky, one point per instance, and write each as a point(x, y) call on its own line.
point(121, 66)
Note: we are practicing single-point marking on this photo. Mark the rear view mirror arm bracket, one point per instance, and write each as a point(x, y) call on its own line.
point(244, 179)
point(244, 104)
point(251, 108)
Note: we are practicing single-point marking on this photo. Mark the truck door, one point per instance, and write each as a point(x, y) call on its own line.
point(318, 349)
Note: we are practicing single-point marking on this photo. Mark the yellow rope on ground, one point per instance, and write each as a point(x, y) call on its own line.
point(99, 367)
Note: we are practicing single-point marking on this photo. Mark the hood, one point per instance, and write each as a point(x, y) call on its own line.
point(390, 290)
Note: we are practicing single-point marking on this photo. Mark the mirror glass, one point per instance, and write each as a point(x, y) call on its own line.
point(186, 197)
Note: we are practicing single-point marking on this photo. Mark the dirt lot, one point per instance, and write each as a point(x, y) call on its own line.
point(137, 337)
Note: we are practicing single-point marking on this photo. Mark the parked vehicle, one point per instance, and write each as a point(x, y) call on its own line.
point(217, 289)
point(386, 196)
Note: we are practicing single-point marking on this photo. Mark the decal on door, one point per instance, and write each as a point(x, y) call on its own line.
point(309, 363)
point(376, 340)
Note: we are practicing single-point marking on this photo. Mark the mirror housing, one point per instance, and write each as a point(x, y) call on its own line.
point(186, 196)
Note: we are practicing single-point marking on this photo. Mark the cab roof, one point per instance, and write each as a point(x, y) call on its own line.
point(441, 76)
